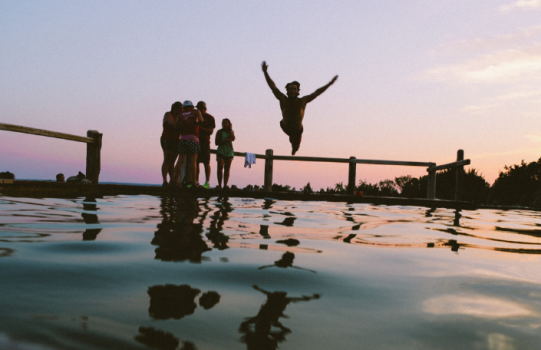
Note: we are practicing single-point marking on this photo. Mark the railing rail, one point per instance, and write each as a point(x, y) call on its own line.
point(47, 133)
point(432, 168)
point(449, 165)
point(93, 145)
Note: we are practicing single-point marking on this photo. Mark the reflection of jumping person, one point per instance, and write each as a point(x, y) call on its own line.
point(262, 336)
point(224, 153)
point(285, 262)
point(293, 107)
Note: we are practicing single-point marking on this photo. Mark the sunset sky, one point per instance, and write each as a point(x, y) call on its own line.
point(418, 80)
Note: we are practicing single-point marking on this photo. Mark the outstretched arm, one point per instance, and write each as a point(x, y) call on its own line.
point(260, 289)
point(319, 91)
point(279, 95)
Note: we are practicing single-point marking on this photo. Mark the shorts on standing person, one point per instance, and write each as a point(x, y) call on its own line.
point(188, 147)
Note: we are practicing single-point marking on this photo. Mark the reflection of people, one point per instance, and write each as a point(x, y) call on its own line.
point(178, 238)
point(172, 301)
point(285, 261)
point(215, 234)
point(261, 336)
point(60, 178)
point(293, 107)
point(154, 338)
point(209, 299)
point(205, 130)
point(169, 142)
point(224, 153)
point(188, 146)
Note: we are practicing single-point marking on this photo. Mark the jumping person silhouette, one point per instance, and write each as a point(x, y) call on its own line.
point(293, 107)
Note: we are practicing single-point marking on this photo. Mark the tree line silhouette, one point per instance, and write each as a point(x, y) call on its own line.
point(516, 185)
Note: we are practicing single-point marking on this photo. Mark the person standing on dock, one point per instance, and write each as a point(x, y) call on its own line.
point(224, 153)
point(169, 142)
point(188, 146)
point(293, 107)
point(205, 130)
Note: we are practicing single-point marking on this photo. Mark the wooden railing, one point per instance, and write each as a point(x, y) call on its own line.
point(432, 168)
point(94, 142)
point(93, 145)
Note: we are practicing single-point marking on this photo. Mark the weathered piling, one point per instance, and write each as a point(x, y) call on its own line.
point(93, 156)
point(93, 148)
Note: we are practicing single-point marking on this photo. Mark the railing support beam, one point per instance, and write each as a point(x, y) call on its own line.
point(352, 175)
point(93, 156)
point(431, 190)
point(459, 175)
point(268, 170)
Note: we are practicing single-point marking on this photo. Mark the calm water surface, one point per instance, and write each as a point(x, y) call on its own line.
point(143, 272)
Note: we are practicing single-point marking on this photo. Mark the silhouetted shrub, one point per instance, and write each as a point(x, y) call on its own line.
point(518, 185)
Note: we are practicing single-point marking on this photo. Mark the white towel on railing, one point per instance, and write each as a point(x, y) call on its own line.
point(249, 160)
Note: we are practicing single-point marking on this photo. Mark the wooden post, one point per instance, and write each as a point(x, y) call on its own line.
point(93, 156)
point(459, 175)
point(352, 175)
point(268, 170)
point(431, 191)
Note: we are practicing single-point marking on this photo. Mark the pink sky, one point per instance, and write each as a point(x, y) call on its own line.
point(418, 81)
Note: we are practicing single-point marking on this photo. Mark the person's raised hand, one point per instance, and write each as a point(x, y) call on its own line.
point(264, 66)
point(334, 79)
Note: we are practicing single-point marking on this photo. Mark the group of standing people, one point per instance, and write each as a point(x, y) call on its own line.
point(186, 140)
point(187, 130)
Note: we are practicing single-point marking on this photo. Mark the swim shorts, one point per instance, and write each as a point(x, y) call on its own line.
point(188, 147)
point(169, 145)
point(204, 154)
point(221, 156)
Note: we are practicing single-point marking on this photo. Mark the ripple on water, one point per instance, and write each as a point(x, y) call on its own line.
point(133, 271)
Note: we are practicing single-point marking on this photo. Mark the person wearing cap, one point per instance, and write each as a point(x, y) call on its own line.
point(205, 130)
point(169, 141)
point(188, 146)
point(293, 107)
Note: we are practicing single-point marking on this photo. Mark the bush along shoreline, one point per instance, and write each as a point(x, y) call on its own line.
point(516, 185)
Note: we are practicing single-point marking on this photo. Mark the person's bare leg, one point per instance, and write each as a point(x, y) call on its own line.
point(168, 166)
point(294, 146)
point(295, 140)
point(178, 167)
point(165, 166)
point(207, 171)
point(220, 171)
point(197, 170)
point(227, 168)
point(193, 161)
point(171, 171)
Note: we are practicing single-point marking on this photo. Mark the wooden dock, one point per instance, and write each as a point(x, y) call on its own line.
point(49, 189)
